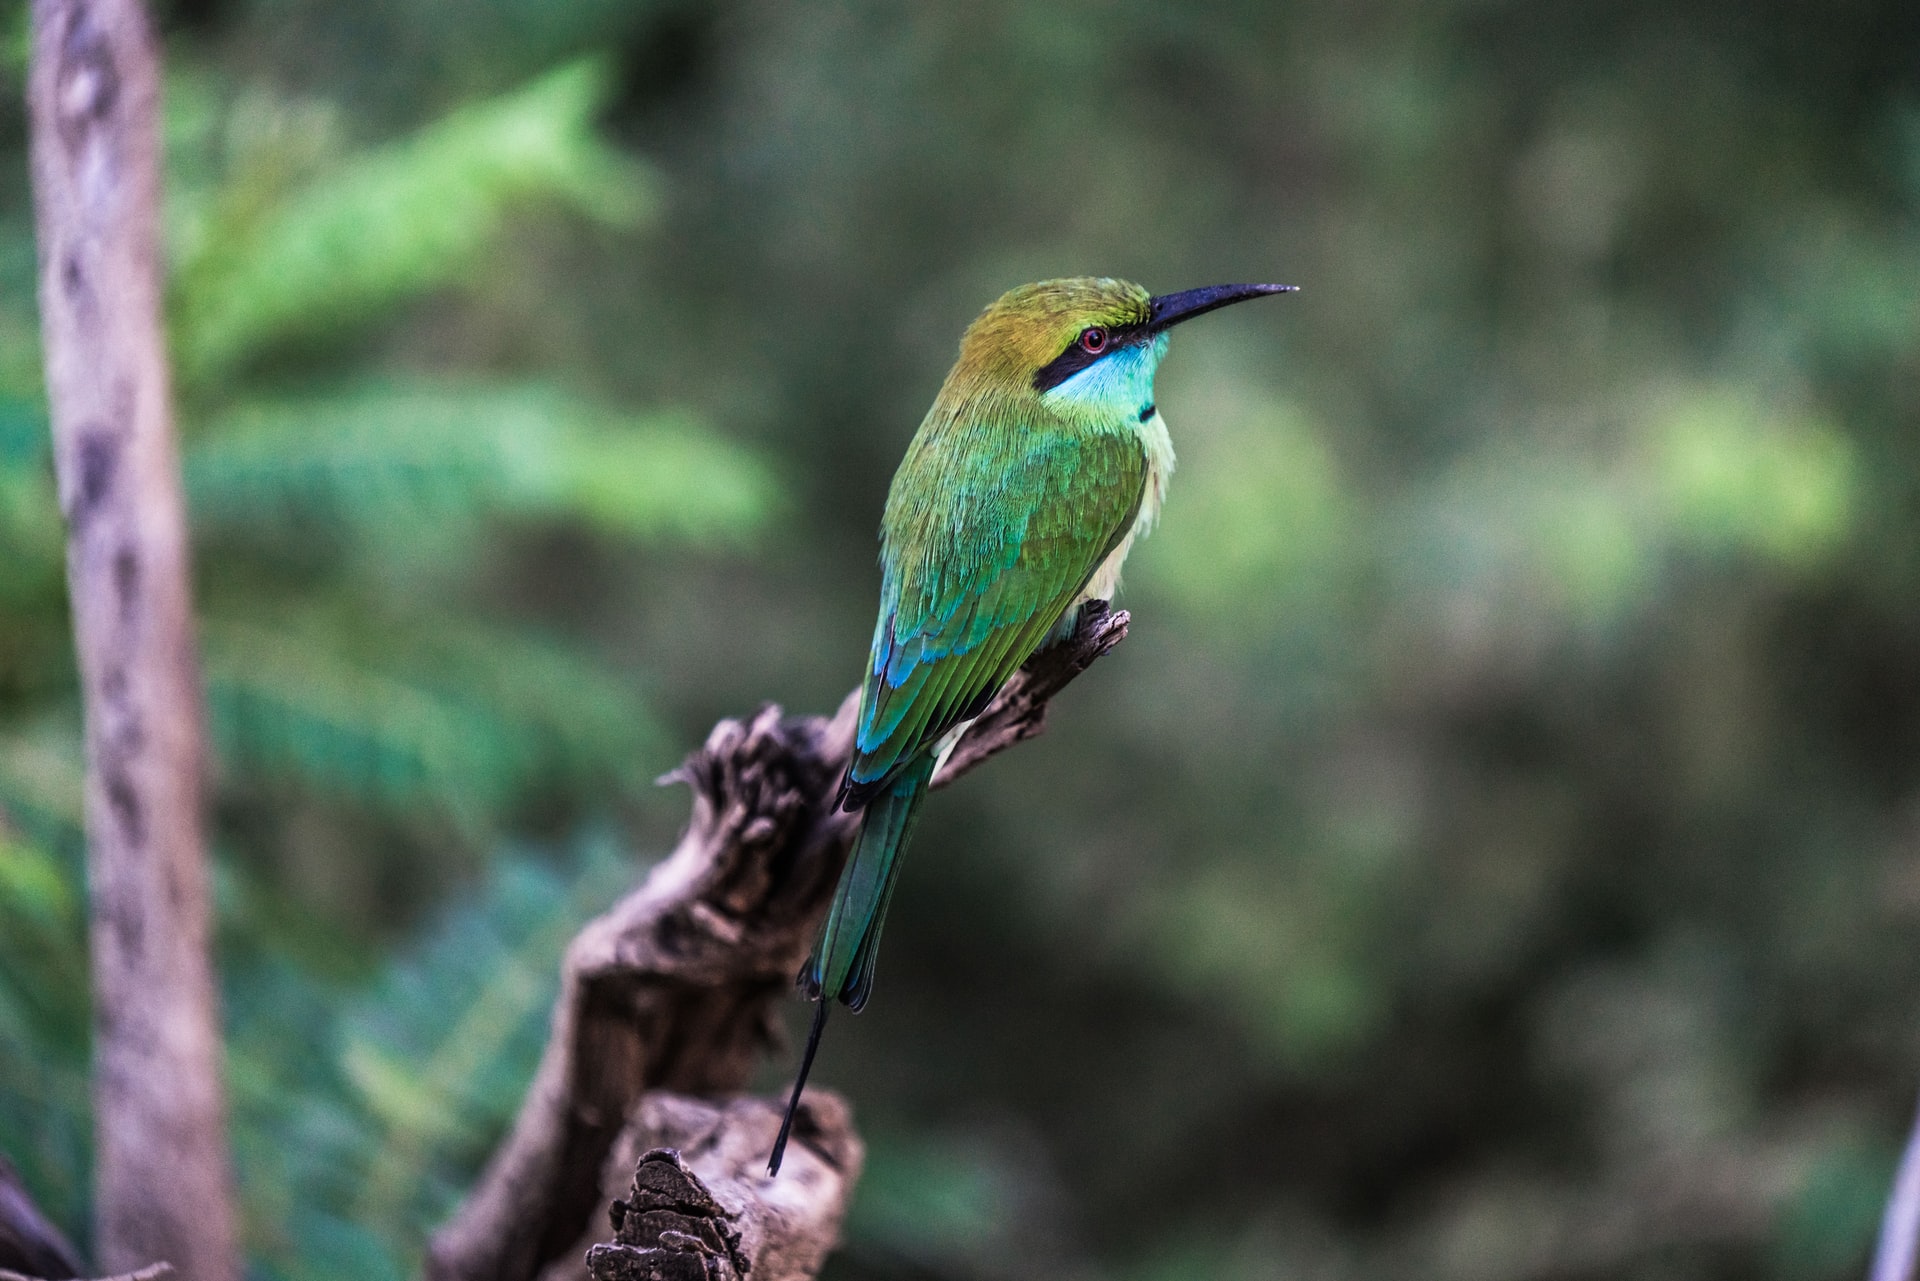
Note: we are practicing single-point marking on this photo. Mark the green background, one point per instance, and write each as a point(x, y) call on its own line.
point(1496, 853)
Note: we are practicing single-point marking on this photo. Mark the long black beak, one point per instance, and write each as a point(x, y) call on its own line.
point(1167, 310)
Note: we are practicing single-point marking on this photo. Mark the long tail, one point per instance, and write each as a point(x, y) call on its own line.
point(841, 967)
point(799, 1084)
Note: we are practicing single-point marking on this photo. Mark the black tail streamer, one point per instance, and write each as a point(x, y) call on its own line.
point(799, 1084)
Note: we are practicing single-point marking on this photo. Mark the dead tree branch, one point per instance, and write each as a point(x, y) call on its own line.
point(163, 1189)
point(700, 1204)
point(677, 987)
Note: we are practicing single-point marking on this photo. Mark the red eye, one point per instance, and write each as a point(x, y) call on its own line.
point(1093, 341)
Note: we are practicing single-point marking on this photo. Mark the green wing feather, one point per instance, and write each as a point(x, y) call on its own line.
point(990, 535)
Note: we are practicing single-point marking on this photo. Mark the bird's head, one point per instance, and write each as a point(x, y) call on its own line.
point(1085, 339)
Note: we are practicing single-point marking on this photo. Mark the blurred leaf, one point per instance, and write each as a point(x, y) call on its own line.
point(1285, 954)
point(24, 439)
point(44, 1017)
point(1835, 1216)
point(1591, 549)
point(401, 1087)
point(16, 39)
point(32, 534)
point(43, 775)
point(34, 886)
point(929, 1201)
point(443, 713)
point(1265, 518)
point(977, 1202)
point(387, 224)
point(1733, 476)
point(383, 458)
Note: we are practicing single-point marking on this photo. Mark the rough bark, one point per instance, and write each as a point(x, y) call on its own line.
point(697, 1202)
point(162, 1183)
point(676, 988)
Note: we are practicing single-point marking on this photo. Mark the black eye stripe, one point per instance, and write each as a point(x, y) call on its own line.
point(1076, 357)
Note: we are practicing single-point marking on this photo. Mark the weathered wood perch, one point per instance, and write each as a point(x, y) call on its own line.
point(699, 1204)
point(677, 989)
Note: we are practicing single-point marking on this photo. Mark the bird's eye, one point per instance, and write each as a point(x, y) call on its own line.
point(1093, 340)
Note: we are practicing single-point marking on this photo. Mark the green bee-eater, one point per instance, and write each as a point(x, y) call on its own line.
point(1042, 460)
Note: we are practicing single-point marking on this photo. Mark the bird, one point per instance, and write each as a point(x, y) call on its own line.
point(1041, 461)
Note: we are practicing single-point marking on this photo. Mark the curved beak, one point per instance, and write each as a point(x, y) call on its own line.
point(1167, 310)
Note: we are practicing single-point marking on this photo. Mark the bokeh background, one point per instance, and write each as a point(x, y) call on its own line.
point(1495, 855)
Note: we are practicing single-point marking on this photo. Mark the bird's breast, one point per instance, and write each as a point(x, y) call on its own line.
point(1158, 447)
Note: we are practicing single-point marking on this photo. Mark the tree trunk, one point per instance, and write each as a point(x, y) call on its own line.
point(162, 1182)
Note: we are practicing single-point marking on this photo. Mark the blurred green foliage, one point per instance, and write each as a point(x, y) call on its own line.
point(374, 699)
point(1494, 855)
